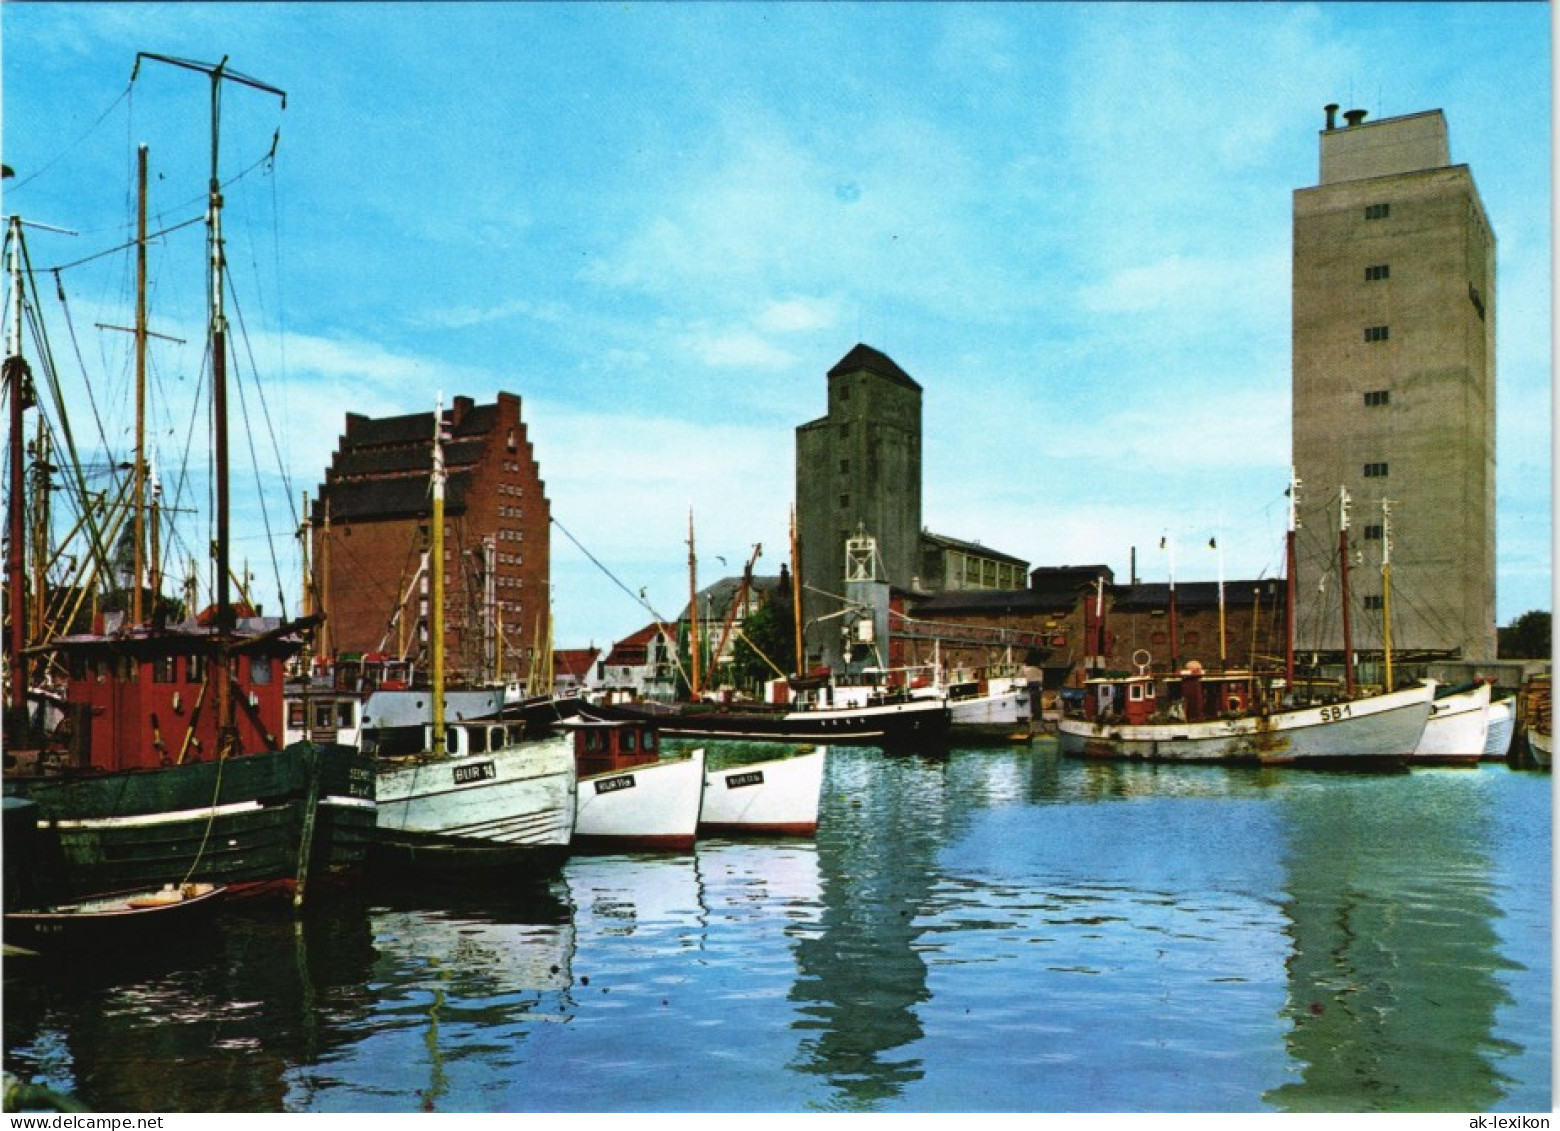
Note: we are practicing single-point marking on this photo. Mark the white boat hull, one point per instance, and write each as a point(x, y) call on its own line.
point(998, 714)
point(1457, 729)
point(1374, 729)
point(521, 794)
point(1503, 725)
point(775, 798)
point(652, 807)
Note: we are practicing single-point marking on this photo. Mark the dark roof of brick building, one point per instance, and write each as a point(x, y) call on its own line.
point(1068, 579)
point(1194, 595)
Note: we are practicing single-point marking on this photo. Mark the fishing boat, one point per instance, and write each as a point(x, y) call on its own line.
point(1244, 716)
point(121, 919)
point(480, 794)
point(1120, 718)
point(1535, 712)
point(630, 796)
point(166, 767)
point(773, 797)
point(1458, 727)
point(1540, 744)
point(888, 718)
point(982, 706)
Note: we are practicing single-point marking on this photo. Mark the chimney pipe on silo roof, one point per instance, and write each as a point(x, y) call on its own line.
point(1354, 117)
point(1332, 109)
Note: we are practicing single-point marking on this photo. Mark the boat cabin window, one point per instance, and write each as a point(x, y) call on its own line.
point(647, 742)
point(78, 666)
point(515, 734)
point(346, 712)
point(495, 737)
point(592, 740)
point(126, 670)
point(259, 670)
point(322, 716)
point(295, 716)
point(165, 669)
point(194, 669)
point(477, 737)
point(452, 741)
point(628, 740)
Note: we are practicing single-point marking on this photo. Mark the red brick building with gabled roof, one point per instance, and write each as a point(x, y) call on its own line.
point(370, 535)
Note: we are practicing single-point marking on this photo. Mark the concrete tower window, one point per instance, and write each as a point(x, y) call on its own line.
point(1377, 271)
point(1377, 397)
point(1376, 333)
point(1375, 471)
point(1377, 211)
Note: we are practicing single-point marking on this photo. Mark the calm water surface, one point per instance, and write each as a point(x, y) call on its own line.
point(991, 930)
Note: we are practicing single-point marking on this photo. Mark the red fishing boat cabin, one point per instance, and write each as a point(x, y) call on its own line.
point(147, 698)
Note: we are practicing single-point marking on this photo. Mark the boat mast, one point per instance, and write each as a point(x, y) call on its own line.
point(693, 612)
point(217, 333)
point(436, 613)
point(1343, 586)
point(137, 612)
point(18, 381)
point(796, 592)
point(1223, 649)
point(1175, 648)
point(1289, 582)
point(1386, 588)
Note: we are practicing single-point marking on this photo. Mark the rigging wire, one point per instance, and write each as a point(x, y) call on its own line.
point(60, 156)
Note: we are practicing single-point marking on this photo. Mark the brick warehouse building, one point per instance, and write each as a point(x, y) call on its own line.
point(369, 540)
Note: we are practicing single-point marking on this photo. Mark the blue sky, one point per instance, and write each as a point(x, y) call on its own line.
point(661, 224)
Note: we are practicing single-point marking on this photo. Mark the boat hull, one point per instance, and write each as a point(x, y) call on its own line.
point(907, 723)
point(242, 823)
point(652, 807)
point(1372, 731)
point(516, 797)
point(1538, 743)
point(1456, 732)
point(1503, 725)
point(994, 716)
point(112, 920)
point(778, 797)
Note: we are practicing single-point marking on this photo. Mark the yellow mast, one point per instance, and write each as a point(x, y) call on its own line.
point(436, 613)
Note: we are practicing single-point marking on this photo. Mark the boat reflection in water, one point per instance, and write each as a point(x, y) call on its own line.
point(1394, 989)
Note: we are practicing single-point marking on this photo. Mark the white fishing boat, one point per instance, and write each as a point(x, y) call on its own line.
point(489, 799)
point(982, 707)
point(629, 797)
point(1503, 724)
point(1244, 717)
point(775, 797)
point(480, 795)
point(1458, 726)
point(1121, 719)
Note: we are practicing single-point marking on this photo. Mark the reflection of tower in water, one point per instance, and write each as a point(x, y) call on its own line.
point(862, 976)
point(1393, 990)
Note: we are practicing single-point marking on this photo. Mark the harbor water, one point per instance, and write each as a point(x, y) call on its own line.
point(990, 929)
